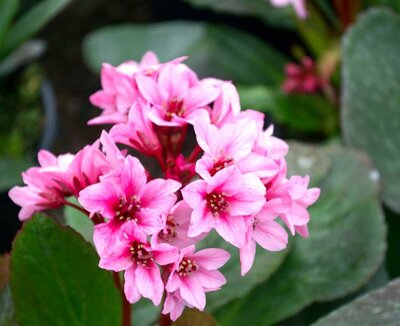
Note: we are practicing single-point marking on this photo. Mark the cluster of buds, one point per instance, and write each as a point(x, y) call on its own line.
point(302, 78)
point(233, 181)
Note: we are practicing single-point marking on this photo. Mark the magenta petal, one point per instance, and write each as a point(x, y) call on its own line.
point(149, 283)
point(133, 176)
point(270, 235)
point(131, 291)
point(247, 255)
point(194, 193)
point(193, 293)
point(159, 194)
point(211, 258)
point(200, 96)
point(232, 229)
point(150, 220)
point(227, 181)
point(149, 89)
point(212, 280)
point(201, 221)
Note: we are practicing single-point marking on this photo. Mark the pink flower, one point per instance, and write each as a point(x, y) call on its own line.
point(174, 305)
point(299, 6)
point(116, 96)
point(177, 96)
point(297, 217)
point(126, 196)
point(139, 258)
point(232, 144)
point(302, 78)
point(138, 132)
point(193, 274)
point(177, 225)
point(223, 202)
point(227, 105)
point(264, 230)
point(42, 190)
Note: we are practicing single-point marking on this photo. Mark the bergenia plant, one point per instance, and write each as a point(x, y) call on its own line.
point(221, 172)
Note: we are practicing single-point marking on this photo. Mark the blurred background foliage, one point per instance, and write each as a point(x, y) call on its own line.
point(350, 120)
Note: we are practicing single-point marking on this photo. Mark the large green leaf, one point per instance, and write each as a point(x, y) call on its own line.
point(309, 113)
point(394, 4)
point(262, 9)
point(265, 264)
point(193, 317)
point(8, 8)
point(345, 247)
point(55, 279)
point(30, 23)
point(78, 221)
point(371, 95)
point(379, 307)
point(213, 50)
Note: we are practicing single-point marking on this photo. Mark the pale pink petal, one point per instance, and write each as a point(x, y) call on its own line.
point(193, 293)
point(270, 235)
point(149, 89)
point(228, 181)
point(130, 288)
point(200, 96)
point(247, 254)
point(194, 193)
point(232, 229)
point(209, 279)
point(202, 221)
point(212, 258)
point(149, 283)
point(159, 194)
point(173, 82)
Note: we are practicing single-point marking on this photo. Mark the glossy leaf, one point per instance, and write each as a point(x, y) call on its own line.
point(309, 113)
point(323, 267)
point(55, 278)
point(31, 23)
point(371, 97)
point(213, 50)
point(283, 17)
point(379, 307)
point(78, 221)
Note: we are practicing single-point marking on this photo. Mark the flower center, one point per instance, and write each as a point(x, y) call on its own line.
point(175, 107)
point(217, 203)
point(187, 267)
point(220, 164)
point(127, 209)
point(170, 229)
point(139, 254)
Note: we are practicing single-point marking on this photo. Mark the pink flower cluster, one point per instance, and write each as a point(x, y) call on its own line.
point(302, 78)
point(233, 180)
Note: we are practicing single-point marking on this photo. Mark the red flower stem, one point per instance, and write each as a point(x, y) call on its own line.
point(165, 320)
point(76, 207)
point(182, 138)
point(126, 306)
point(193, 156)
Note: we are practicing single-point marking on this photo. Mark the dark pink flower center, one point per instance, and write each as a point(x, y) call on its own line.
point(170, 228)
point(140, 255)
point(175, 107)
point(187, 267)
point(217, 203)
point(220, 164)
point(127, 209)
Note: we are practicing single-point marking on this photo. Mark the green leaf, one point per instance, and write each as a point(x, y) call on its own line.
point(31, 23)
point(394, 4)
point(193, 317)
point(371, 97)
point(282, 17)
point(213, 50)
point(4, 270)
point(379, 307)
point(55, 279)
point(322, 267)
point(145, 313)
point(8, 8)
point(265, 264)
point(309, 113)
point(10, 171)
point(78, 221)
point(7, 313)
